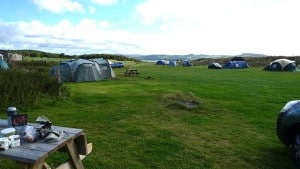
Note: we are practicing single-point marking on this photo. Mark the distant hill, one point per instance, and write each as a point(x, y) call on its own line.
point(41, 54)
point(155, 57)
point(252, 55)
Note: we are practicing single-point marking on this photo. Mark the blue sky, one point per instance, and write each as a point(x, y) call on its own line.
point(219, 27)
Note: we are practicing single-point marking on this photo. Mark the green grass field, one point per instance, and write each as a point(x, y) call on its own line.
point(132, 124)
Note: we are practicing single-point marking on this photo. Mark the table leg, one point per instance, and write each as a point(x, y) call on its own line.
point(32, 166)
point(74, 156)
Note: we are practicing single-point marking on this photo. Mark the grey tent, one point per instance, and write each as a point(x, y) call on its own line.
point(172, 63)
point(282, 65)
point(80, 70)
point(62, 72)
point(214, 65)
point(186, 63)
point(105, 69)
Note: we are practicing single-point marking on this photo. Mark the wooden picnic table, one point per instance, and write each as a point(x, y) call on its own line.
point(33, 155)
point(131, 72)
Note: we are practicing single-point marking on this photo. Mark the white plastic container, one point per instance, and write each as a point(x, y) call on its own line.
point(4, 143)
point(8, 132)
point(14, 141)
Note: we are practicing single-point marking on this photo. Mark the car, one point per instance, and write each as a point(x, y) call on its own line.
point(288, 128)
point(117, 65)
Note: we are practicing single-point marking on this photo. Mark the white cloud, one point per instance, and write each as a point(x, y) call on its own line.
point(59, 6)
point(89, 36)
point(105, 2)
point(218, 26)
point(172, 27)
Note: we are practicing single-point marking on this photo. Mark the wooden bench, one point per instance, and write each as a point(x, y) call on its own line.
point(131, 72)
point(33, 155)
point(83, 149)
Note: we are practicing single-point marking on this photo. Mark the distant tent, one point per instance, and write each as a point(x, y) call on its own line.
point(214, 65)
point(3, 64)
point(235, 64)
point(282, 65)
point(187, 63)
point(161, 62)
point(81, 70)
point(172, 63)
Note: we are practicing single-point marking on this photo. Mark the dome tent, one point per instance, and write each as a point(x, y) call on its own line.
point(186, 63)
point(214, 65)
point(161, 62)
point(282, 65)
point(172, 63)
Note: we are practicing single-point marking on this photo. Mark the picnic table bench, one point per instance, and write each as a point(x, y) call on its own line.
point(33, 155)
point(131, 72)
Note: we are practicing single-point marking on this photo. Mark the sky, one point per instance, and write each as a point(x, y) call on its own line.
point(213, 27)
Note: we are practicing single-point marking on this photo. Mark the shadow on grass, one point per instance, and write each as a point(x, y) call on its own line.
point(276, 157)
point(164, 151)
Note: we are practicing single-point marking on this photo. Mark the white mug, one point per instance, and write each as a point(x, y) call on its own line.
point(4, 143)
point(14, 141)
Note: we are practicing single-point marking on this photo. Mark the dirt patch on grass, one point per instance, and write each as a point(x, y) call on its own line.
point(181, 100)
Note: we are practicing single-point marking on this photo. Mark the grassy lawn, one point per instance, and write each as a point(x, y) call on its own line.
point(131, 124)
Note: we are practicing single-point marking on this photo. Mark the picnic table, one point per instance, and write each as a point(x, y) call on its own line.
point(131, 72)
point(33, 155)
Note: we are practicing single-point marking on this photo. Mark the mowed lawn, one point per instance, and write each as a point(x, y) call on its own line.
point(131, 125)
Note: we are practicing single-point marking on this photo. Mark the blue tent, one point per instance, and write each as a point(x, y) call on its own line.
point(3, 64)
point(161, 62)
point(235, 65)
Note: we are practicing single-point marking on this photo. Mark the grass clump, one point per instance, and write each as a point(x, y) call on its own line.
point(180, 100)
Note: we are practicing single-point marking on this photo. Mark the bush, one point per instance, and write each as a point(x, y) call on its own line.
point(25, 89)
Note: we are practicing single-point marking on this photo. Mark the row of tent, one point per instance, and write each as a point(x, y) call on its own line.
point(277, 65)
point(173, 63)
point(82, 70)
point(229, 65)
point(99, 69)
